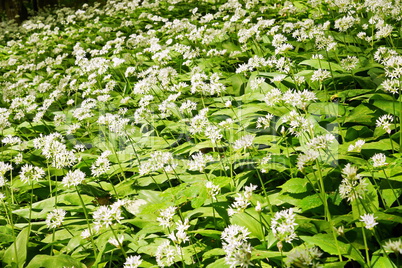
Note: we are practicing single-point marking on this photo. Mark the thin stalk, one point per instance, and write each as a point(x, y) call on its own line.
point(326, 208)
point(88, 224)
point(366, 247)
point(117, 239)
point(392, 188)
point(11, 222)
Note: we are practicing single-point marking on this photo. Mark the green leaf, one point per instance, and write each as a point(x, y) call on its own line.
point(218, 264)
point(381, 262)
point(322, 64)
point(213, 252)
point(327, 109)
point(17, 252)
point(250, 220)
point(361, 115)
point(335, 264)
point(326, 243)
point(310, 202)
point(295, 185)
point(383, 144)
point(368, 203)
point(58, 261)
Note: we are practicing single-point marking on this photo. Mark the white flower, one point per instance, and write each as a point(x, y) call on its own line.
point(264, 122)
point(353, 186)
point(199, 162)
point(4, 167)
point(320, 75)
point(385, 122)
point(244, 142)
point(242, 201)
point(395, 246)
point(116, 242)
point(101, 165)
point(357, 147)
point(349, 63)
point(303, 257)
point(368, 220)
point(73, 178)
point(165, 254)
point(134, 206)
point(379, 160)
point(283, 225)
point(29, 173)
point(158, 160)
point(166, 217)
point(106, 215)
point(236, 247)
point(258, 207)
point(55, 218)
point(11, 140)
point(133, 261)
point(180, 236)
point(86, 234)
point(212, 189)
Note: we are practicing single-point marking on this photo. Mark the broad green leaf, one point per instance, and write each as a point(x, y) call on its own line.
point(17, 251)
point(251, 221)
point(322, 64)
point(361, 115)
point(368, 203)
point(310, 202)
point(326, 243)
point(295, 185)
point(335, 264)
point(218, 264)
point(58, 261)
point(262, 254)
point(327, 109)
point(382, 262)
point(213, 252)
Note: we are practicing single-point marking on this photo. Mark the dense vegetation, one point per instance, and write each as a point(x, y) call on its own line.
point(202, 134)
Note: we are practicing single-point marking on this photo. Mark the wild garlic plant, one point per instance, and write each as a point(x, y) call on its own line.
point(171, 133)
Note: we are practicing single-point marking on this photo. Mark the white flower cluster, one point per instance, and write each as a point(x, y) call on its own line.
point(159, 161)
point(133, 262)
point(201, 124)
point(212, 189)
point(304, 257)
point(30, 174)
point(369, 221)
point(180, 236)
point(115, 123)
point(101, 165)
point(244, 142)
point(55, 218)
point(199, 162)
point(199, 84)
point(105, 216)
point(353, 186)
point(357, 147)
point(384, 122)
point(4, 167)
point(242, 200)
point(283, 225)
point(73, 178)
point(298, 123)
point(53, 148)
point(236, 247)
point(166, 217)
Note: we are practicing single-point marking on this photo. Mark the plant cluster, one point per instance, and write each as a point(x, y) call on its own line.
point(202, 133)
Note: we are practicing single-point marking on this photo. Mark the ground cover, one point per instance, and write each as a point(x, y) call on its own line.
point(202, 134)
